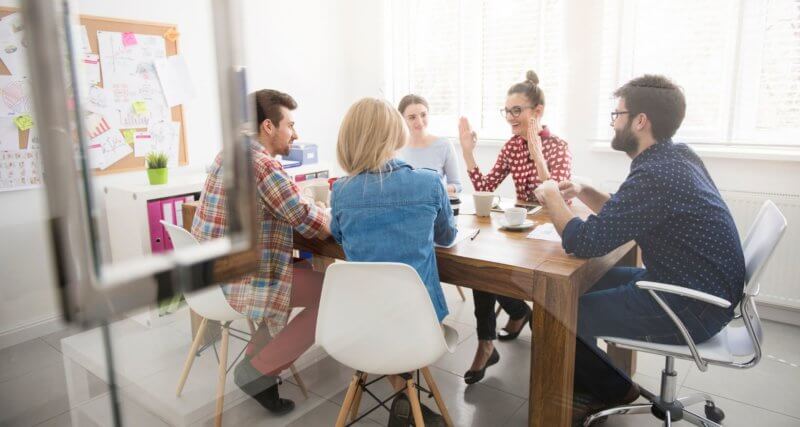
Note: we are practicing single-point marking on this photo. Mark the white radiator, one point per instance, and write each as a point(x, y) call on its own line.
point(780, 282)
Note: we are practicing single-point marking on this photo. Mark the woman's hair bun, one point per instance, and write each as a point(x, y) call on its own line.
point(531, 77)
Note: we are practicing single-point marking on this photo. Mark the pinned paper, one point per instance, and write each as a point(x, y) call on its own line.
point(129, 134)
point(9, 135)
point(140, 107)
point(129, 39)
point(97, 125)
point(91, 68)
point(24, 122)
point(143, 143)
point(176, 82)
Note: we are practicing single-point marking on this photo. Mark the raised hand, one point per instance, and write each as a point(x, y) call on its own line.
point(535, 147)
point(466, 136)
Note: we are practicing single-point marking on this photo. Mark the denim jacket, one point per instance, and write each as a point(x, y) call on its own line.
point(395, 215)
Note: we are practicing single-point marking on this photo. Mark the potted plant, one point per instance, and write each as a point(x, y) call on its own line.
point(157, 167)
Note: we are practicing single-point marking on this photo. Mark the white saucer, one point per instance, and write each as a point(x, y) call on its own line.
point(525, 224)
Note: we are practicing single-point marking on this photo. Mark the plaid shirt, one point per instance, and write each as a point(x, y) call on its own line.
point(265, 293)
point(515, 158)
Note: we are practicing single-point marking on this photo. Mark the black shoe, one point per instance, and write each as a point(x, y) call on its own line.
point(400, 413)
point(471, 377)
point(262, 388)
point(430, 417)
point(508, 336)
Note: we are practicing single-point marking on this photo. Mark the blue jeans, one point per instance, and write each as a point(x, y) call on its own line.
point(614, 306)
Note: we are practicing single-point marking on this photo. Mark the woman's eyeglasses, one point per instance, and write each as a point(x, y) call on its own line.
point(514, 111)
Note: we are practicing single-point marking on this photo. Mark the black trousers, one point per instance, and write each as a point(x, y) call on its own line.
point(484, 312)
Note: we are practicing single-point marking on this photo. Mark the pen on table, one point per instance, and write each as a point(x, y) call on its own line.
point(475, 234)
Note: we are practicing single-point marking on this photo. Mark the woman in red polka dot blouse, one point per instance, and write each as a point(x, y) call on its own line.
point(531, 156)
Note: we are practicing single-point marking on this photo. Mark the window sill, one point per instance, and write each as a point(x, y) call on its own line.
point(749, 152)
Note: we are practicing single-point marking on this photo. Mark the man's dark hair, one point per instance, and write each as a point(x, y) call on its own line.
point(660, 99)
point(268, 103)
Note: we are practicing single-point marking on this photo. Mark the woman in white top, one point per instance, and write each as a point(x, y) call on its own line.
point(425, 150)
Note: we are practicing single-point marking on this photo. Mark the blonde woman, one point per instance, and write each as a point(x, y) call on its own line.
point(385, 210)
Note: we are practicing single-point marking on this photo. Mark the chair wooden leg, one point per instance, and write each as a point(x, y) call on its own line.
point(461, 292)
point(437, 396)
point(357, 398)
point(411, 390)
point(187, 366)
point(223, 366)
point(299, 380)
point(348, 400)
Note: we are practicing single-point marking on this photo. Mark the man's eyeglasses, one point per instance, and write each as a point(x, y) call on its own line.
point(615, 114)
point(514, 111)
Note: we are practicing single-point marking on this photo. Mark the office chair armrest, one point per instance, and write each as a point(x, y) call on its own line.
point(652, 287)
point(686, 292)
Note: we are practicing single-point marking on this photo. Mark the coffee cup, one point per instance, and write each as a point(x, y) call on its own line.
point(515, 216)
point(319, 191)
point(455, 203)
point(483, 202)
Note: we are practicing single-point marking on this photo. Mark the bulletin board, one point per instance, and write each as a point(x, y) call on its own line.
point(93, 24)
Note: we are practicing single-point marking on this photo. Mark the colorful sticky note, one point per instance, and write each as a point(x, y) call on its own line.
point(24, 122)
point(129, 134)
point(140, 107)
point(129, 39)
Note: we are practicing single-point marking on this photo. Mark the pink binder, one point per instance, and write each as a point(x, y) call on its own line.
point(168, 215)
point(154, 215)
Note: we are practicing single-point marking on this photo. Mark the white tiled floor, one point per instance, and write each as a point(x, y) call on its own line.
point(35, 382)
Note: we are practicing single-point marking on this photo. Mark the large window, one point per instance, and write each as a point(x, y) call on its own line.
point(464, 55)
point(737, 61)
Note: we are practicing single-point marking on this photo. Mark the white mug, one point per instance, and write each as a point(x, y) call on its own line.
point(318, 190)
point(515, 216)
point(483, 202)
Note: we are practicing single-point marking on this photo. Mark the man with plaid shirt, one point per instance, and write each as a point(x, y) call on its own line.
point(268, 294)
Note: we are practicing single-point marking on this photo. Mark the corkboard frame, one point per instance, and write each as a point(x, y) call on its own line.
point(94, 24)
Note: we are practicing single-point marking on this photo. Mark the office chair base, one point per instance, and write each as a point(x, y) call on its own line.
point(668, 412)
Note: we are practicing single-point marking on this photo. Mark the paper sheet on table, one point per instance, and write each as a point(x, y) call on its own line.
point(91, 68)
point(166, 138)
point(15, 98)
point(546, 231)
point(176, 83)
point(9, 134)
point(463, 234)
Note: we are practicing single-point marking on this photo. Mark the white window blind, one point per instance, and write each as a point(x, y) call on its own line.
point(463, 56)
point(737, 61)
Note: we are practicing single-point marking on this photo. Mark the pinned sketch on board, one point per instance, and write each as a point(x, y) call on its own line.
point(166, 138)
point(176, 83)
point(20, 170)
point(91, 68)
point(15, 98)
point(13, 44)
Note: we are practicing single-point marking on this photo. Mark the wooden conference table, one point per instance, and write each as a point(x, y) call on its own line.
point(508, 263)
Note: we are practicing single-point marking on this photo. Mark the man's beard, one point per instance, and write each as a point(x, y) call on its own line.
point(625, 140)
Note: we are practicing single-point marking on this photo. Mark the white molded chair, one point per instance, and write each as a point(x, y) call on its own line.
point(210, 304)
point(738, 345)
point(378, 318)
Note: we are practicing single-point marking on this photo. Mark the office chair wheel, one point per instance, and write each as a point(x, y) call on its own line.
point(715, 414)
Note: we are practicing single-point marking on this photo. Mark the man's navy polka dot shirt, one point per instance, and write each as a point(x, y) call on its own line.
point(670, 206)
